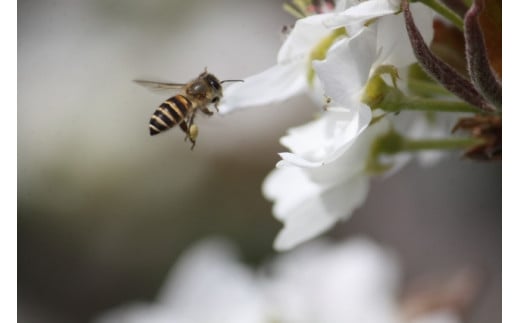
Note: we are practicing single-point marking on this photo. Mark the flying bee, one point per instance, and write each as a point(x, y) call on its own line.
point(181, 108)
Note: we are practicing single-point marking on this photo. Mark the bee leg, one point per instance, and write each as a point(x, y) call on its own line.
point(205, 110)
point(191, 132)
point(184, 127)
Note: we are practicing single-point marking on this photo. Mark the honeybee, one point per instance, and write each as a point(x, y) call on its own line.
point(181, 108)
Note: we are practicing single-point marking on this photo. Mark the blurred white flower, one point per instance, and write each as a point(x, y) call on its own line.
point(207, 285)
point(354, 281)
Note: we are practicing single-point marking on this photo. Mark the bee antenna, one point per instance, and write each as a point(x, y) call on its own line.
point(231, 81)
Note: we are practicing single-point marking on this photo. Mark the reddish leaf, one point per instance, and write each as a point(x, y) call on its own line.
point(439, 70)
point(479, 67)
point(491, 24)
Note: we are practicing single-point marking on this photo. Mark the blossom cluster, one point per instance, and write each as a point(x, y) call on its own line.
point(358, 58)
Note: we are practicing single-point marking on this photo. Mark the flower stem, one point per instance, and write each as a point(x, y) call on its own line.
point(444, 11)
point(420, 104)
point(427, 88)
point(468, 2)
point(379, 95)
point(393, 143)
point(413, 145)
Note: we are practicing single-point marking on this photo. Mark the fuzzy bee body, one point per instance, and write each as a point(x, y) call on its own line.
point(181, 108)
point(170, 113)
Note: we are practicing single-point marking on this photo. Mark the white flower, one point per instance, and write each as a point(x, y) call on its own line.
point(285, 79)
point(208, 285)
point(310, 200)
point(353, 281)
point(385, 42)
point(328, 179)
point(291, 75)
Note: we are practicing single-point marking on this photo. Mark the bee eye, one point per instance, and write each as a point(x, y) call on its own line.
point(213, 82)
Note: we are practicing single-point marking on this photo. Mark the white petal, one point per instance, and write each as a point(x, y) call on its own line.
point(354, 18)
point(346, 69)
point(392, 38)
point(308, 209)
point(352, 161)
point(207, 276)
point(322, 141)
point(307, 32)
point(288, 187)
point(319, 213)
point(272, 85)
point(351, 281)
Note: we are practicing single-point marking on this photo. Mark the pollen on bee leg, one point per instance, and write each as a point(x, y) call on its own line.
point(193, 132)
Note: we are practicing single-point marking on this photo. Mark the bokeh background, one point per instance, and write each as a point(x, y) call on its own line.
point(104, 209)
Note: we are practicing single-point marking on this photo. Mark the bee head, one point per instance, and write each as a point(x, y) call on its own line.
point(214, 86)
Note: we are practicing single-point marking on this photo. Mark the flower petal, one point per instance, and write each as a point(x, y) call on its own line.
point(307, 32)
point(228, 292)
point(288, 187)
point(323, 140)
point(355, 17)
point(353, 161)
point(347, 67)
point(311, 215)
point(272, 85)
point(308, 209)
point(351, 281)
point(392, 39)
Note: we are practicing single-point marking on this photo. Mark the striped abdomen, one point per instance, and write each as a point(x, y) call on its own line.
point(169, 113)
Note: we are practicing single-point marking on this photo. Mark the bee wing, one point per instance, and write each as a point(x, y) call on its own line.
point(160, 86)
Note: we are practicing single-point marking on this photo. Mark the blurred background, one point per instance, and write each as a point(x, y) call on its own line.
point(104, 209)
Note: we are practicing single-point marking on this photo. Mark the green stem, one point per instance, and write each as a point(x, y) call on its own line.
point(412, 145)
point(420, 104)
point(379, 95)
point(393, 143)
point(468, 2)
point(444, 11)
point(427, 88)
